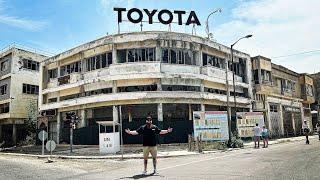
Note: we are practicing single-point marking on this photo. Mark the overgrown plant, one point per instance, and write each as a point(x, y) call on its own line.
point(30, 124)
point(236, 142)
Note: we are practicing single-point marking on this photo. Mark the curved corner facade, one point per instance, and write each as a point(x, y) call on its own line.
point(164, 74)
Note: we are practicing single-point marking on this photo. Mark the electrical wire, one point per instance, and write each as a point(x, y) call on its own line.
point(300, 53)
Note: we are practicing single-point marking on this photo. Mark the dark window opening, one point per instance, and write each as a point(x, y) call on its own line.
point(4, 108)
point(152, 87)
point(180, 88)
point(30, 89)
point(30, 64)
point(3, 89)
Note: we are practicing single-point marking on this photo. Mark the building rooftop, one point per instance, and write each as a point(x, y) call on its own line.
point(4, 51)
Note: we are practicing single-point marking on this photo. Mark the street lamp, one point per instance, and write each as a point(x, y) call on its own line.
point(207, 22)
point(234, 87)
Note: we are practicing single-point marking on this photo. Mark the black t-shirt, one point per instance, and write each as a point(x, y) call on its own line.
point(149, 134)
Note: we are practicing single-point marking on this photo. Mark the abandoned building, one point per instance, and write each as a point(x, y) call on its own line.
point(315, 106)
point(163, 74)
point(283, 95)
point(19, 89)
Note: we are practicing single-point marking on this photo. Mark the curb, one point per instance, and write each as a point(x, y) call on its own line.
point(246, 146)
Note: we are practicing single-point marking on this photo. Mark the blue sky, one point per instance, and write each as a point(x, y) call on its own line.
point(280, 27)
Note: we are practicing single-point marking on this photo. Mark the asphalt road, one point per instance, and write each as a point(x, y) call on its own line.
point(283, 161)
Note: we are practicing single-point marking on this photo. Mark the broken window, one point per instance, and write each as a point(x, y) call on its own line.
point(273, 108)
point(30, 89)
point(178, 56)
point(180, 88)
point(256, 76)
point(173, 56)
point(210, 60)
point(3, 89)
point(165, 55)
point(53, 73)
point(152, 87)
point(99, 61)
point(51, 100)
point(215, 91)
point(30, 64)
point(4, 65)
point(70, 68)
point(265, 76)
point(4, 108)
point(136, 55)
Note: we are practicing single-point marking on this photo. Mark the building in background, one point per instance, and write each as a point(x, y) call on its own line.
point(315, 106)
point(19, 89)
point(167, 75)
point(283, 95)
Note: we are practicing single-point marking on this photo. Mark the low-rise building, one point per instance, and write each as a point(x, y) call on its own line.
point(19, 89)
point(283, 95)
point(163, 74)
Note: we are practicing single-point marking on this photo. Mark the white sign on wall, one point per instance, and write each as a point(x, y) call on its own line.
point(247, 120)
point(212, 125)
point(109, 142)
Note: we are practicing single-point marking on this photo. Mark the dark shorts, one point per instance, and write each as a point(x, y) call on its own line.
point(265, 137)
point(256, 138)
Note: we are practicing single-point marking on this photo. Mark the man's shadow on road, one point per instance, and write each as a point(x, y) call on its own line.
point(140, 176)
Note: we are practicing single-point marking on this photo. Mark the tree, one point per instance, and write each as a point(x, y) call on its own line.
point(30, 123)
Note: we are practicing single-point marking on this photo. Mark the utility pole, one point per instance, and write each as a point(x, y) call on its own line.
point(74, 119)
point(228, 101)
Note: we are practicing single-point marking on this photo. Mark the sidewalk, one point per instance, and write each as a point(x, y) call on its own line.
point(130, 151)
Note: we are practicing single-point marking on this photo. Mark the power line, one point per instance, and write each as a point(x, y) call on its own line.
point(300, 53)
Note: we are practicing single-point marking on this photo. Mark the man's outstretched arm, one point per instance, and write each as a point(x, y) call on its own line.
point(131, 132)
point(166, 131)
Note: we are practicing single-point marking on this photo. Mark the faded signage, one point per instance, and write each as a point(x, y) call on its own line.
point(247, 120)
point(211, 125)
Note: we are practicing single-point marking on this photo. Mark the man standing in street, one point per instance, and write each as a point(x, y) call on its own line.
point(149, 132)
point(257, 135)
point(306, 131)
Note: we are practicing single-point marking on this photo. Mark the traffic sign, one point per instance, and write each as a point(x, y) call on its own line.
point(43, 135)
point(51, 145)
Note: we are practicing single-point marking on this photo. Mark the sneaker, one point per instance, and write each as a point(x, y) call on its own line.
point(155, 171)
point(144, 172)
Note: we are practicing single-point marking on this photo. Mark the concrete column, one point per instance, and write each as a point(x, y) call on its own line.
point(202, 90)
point(190, 113)
point(83, 116)
point(115, 116)
point(58, 126)
point(114, 87)
point(158, 53)
point(302, 112)
point(203, 108)
point(114, 54)
point(160, 112)
point(14, 134)
point(293, 123)
point(281, 119)
point(259, 76)
point(160, 120)
point(268, 116)
point(200, 59)
point(159, 87)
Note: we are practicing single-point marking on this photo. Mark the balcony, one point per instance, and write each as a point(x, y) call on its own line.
point(219, 73)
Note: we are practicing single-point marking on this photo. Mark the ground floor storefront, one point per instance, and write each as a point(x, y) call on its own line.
point(176, 116)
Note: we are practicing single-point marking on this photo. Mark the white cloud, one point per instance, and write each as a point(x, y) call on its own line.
point(22, 23)
point(279, 27)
